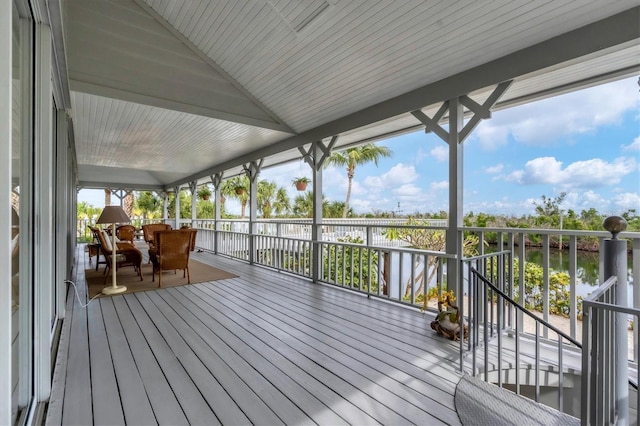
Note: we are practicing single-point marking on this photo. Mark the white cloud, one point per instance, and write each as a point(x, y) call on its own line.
point(442, 185)
point(627, 201)
point(494, 169)
point(558, 118)
point(491, 135)
point(398, 175)
point(440, 153)
point(633, 146)
point(581, 174)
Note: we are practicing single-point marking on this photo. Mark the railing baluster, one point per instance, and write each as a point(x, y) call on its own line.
point(560, 374)
point(517, 334)
point(499, 326)
point(573, 277)
point(537, 360)
point(545, 281)
point(486, 334)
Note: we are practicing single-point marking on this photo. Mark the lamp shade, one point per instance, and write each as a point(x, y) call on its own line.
point(113, 214)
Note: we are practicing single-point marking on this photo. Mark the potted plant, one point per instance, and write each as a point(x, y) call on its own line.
point(204, 192)
point(301, 183)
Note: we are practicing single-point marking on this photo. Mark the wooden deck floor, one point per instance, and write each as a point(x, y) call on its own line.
point(265, 348)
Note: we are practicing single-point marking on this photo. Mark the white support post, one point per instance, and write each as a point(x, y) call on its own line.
point(165, 206)
point(217, 184)
point(615, 264)
point(453, 245)
point(455, 136)
point(315, 157)
point(252, 171)
point(177, 206)
point(193, 185)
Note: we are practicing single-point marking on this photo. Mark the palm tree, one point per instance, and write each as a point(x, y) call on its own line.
point(237, 187)
point(127, 203)
point(271, 197)
point(353, 157)
point(282, 205)
point(303, 205)
point(148, 203)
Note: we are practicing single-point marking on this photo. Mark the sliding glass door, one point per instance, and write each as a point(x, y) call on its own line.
point(22, 311)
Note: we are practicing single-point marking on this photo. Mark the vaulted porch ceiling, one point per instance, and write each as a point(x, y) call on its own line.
point(165, 92)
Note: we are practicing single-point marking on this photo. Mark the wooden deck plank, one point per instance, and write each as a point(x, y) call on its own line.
point(343, 341)
point(272, 387)
point(290, 379)
point(135, 403)
point(301, 353)
point(107, 409)
point(209, 351)
point(342, 398)
point(224, 408)
point(163, 401)
point(319, 314)
point(379, 386)
point(186, 392)
point(77, 407)
point(357, 385)
point(56, 402)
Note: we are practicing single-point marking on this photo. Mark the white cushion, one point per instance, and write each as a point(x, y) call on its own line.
point(107, 240)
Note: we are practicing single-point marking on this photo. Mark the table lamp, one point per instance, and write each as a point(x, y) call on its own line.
point(113, 215)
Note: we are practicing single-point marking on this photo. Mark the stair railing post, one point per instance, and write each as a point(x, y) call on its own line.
point(615, 264)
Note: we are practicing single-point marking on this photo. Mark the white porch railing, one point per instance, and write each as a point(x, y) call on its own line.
point(400, 274)
point(601, 398)
point(508, 344)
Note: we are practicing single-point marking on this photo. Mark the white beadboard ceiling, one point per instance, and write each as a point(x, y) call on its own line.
point(163, 92)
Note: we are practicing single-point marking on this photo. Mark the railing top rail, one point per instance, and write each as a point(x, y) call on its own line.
point(485, 256)
point(564, 232)
point(524, 310)
point(595, 295)
point(618, 308)
point(387, 248)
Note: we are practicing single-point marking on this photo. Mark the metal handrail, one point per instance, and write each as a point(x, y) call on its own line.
point(525, 310)
point(481, 295)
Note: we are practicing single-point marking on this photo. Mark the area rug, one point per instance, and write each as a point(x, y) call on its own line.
point(126, 276)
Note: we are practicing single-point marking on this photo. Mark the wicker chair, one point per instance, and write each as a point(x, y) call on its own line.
point(126, 254)
point(171, 252)
point(149, 230)
point(192, 232)
point(126, 233)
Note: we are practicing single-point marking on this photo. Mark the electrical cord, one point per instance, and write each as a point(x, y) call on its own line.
point(82, 305)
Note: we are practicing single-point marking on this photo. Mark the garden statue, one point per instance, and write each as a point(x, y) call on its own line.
point(447, 322)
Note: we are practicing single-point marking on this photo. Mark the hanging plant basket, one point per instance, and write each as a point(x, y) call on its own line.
point(205, 197)
point(239, 191)
point(301, 183)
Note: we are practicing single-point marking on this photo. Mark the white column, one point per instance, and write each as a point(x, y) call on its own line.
point(194, 202)
point(177, 207)
point(253, 212)
point(453, 245)
point(316, 225)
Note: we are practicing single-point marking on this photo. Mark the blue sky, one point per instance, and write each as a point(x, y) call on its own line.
point(585, 143)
